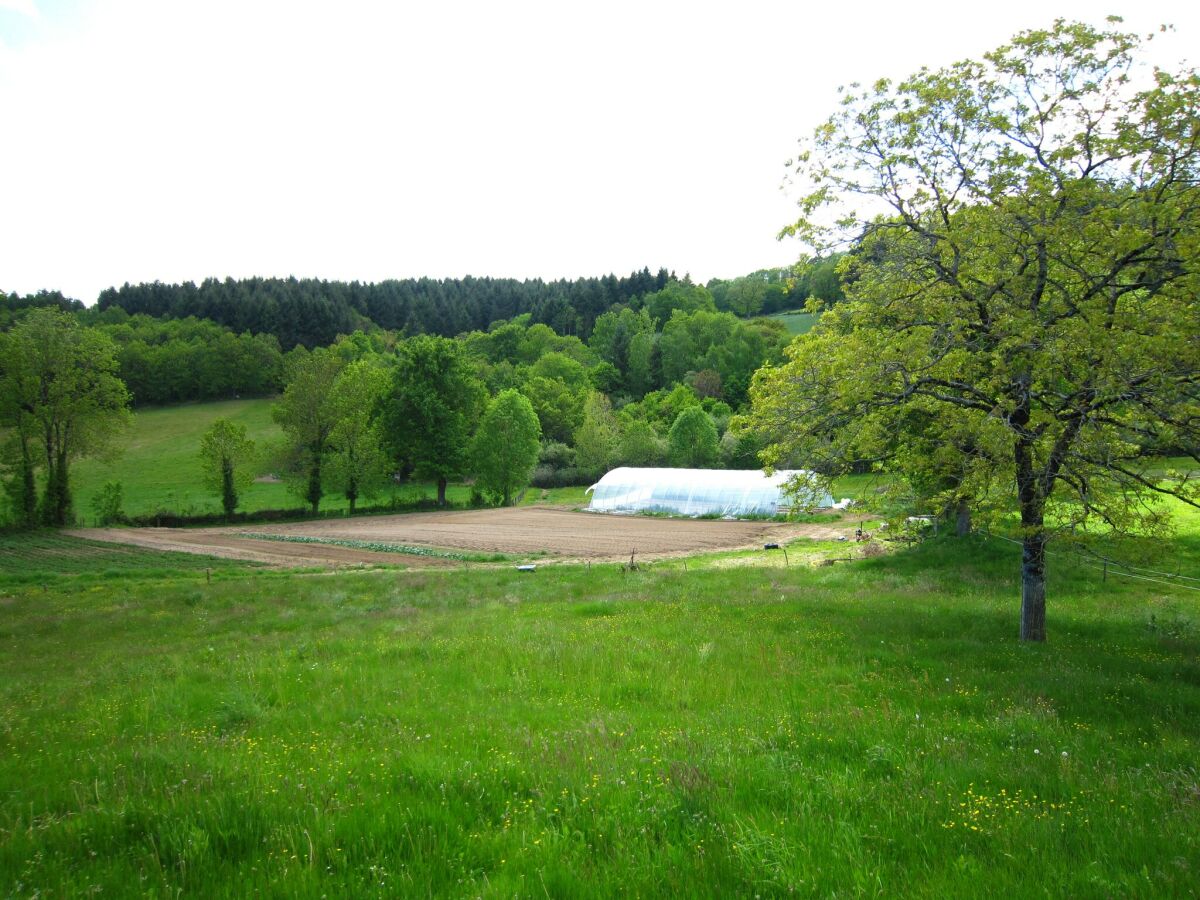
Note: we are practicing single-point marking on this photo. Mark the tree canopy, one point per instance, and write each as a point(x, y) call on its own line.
point(431, 408)
point(224, 451)
point(60, 394)
point(505, 448)
point(1025, 271)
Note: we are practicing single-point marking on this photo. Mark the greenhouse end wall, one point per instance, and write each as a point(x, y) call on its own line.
point(694, 492)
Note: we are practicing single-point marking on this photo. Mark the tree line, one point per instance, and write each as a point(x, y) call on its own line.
point(312, 312)
point(659, 381)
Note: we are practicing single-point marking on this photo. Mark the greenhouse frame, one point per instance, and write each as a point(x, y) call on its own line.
point(727, 493)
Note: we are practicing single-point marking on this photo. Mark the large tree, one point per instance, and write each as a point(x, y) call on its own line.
point(431, 409)
point(693, 441)
point(307, 415)
point(1025, 265)
point(60, 394)
point(357, 464)
point(505, 449)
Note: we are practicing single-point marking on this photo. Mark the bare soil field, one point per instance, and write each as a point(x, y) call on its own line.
point(522, 532)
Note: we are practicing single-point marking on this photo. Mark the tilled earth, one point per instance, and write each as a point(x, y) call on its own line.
point(520, 532)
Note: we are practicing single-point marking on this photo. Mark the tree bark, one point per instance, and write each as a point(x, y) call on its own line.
point(28, 499)
point(228, 488)
point(1033, 587)
point(441, 486)
point(314, 487)
point(962, 521)
point(56, 508)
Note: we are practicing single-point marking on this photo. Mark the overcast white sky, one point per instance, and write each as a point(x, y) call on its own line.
point(152, 139)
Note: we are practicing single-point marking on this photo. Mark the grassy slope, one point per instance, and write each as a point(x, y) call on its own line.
point(160, 469)
point(868, 728)
point(45, 556)
point(797, 322)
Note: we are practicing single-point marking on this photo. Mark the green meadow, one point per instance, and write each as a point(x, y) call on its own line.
point(869, 728)
point(159, 466)
point(797, 322)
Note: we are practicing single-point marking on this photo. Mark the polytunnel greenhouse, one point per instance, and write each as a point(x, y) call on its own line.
point(696, 492)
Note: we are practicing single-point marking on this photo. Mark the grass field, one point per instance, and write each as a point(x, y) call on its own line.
point(160, 469)
point(797, 322)
point(42, 557)
point(868, 728)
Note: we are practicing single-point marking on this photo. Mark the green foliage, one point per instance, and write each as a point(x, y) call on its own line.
point(60, 395)
point(431, 408)
point(559, 408)
point(676, 297)
point(693, 442)
point(640, 445)
point(358, 465)
point(1032, 294)
point(598, 438)
point(505, 448)
point(615, 330)
point(107, 503)
point(175, 360)
point(225, 452)
point(720, 343)
point(307, 416)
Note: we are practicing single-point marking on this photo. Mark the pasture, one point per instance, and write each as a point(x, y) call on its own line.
point(797, 321)
point(159, 467)
point(867, 728)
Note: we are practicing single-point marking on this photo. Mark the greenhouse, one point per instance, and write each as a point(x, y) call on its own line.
point(696, 492)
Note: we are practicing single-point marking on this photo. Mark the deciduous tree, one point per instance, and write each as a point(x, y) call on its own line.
point(431, 409)
point(505, 448)
point(693, 439)
point(357, 463)
point(1025, 266)
point(224, 453)
point(60, 393)
point(307, 416)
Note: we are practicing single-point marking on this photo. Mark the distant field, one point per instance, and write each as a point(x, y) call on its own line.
point(797, 322)
point(160, 468)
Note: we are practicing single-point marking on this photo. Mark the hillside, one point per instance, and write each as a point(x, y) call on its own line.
point(160, 469)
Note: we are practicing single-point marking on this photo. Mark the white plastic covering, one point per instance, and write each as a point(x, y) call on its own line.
point(694, 492)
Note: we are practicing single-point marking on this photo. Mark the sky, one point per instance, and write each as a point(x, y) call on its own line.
point(175, 140)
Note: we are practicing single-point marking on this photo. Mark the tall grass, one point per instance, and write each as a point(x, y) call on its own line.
point(872, 728)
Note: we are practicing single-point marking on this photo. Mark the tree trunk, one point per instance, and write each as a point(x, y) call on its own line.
point(441, 485)
point(56, 507)
point(1032, 503)
point(962, 521)
point(228, 488)
point(1033, 587)
point(314, 486)
point(27, 504)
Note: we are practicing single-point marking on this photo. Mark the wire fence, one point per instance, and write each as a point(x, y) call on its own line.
point(1116, 567)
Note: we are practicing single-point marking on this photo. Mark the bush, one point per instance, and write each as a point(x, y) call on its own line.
point(546, 477)
point(556, 455)
point(108, 502)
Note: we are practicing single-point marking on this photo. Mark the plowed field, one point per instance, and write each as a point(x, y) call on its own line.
point(520, 532)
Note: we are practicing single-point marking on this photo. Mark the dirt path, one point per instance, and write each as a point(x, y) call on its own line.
point(522, 531)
